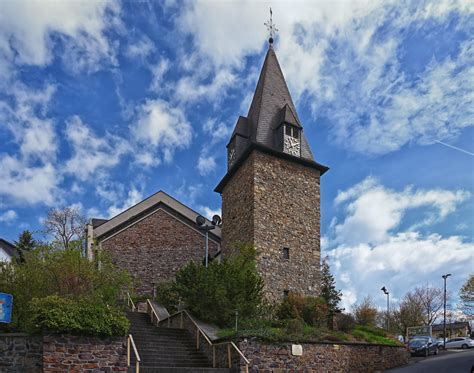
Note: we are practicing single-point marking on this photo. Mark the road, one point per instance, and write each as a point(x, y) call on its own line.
point(451, 361)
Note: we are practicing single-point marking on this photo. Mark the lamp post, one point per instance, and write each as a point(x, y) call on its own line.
point(445, 277)
point(201, 222)
point(384, 289)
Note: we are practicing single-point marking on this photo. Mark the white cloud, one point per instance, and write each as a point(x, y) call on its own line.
point(91, 152)
point(191, 88)
point(217, 130)
point(403, 261)
point(373, 211)
point(27, 30)
point(24, 115)
point(28, 184)
point(140, 48)
point(346, 60)
point(134, 196)
point(162, 127)
point(8, 216)
point(368, 249)
point(158, 71)
point(208, 212)
point(206, 164)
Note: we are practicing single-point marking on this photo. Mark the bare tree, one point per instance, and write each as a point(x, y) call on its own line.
point(432, 301)
point(65, 225)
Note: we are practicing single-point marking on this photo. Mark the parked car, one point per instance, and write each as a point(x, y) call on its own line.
point(422, 345)
point(441, 341)
point(460, 342)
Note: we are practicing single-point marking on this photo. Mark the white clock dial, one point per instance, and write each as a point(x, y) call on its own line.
point(291, 146)
point(231, 156)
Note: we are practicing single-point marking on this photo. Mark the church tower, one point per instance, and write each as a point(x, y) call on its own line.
point(271, 191)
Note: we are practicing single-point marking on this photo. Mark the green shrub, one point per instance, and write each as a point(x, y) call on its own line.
point(312, 310)
point(167, 296)
point(48, 271)
point(294, 327)
point(215, 293)
point(345, 322)
point(54, 314)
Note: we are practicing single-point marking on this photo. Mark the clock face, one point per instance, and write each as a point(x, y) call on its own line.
point(291, 146)
point(231, 156)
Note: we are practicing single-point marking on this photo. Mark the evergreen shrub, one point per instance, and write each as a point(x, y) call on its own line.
point(216, 293)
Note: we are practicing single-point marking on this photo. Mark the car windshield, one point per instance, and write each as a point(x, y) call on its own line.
point(418, 341)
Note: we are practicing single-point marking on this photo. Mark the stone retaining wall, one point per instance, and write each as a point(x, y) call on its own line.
point(20, 352)
point(322, 357)
point(66, 353)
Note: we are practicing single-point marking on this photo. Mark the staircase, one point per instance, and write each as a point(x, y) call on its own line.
point(166, 350)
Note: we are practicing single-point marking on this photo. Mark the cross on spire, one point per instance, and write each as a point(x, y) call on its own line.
point(271, 27)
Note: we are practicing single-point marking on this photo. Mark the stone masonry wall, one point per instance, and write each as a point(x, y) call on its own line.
point(274, 203)
point(322, 358)
point(238, 207)
point(84, 354)
point(155, 248)
point(287, 214)
point(20, 353)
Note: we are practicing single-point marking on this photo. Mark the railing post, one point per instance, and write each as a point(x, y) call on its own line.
point(168, 322)
point(229, 356)
point(128, 351)
point(181, 320)
point(213, 356)
point(197, 338)
point(137, 367)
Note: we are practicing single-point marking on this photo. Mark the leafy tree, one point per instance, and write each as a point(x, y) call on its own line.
point(65, 273)
point(409, 313)
point(329, 292)
point(215, 293)
point(65, 225)
point(25, 244)
point(466, 297)
point(365, 312)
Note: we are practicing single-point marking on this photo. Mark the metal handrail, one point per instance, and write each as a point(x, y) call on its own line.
point(130, 302)
point(229, 344)
point(131, 342)
point(153, 312)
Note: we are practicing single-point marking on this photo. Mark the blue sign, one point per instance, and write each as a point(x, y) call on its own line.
point(6, 306)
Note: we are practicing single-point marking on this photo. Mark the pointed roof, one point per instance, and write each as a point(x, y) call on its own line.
point(271, 95)
point(271, 106)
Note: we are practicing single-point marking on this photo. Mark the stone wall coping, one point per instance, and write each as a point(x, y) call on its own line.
point(9, 335)
point(320, 343)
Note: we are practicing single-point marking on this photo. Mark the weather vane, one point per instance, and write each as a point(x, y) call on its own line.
point(271, 27)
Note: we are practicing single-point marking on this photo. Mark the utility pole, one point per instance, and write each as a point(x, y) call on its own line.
point(384, 289)
point(444, 318)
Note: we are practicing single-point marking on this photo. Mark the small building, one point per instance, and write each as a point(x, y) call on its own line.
point(453, 330)
point(7, 251)
point(152, 240)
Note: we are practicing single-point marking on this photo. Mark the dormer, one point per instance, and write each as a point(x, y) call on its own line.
point(288, 132)
point(238, 141)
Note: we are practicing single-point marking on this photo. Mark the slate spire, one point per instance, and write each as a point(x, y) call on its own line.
point(271, 105)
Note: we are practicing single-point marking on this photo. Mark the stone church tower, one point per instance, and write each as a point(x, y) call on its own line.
point(271, 192)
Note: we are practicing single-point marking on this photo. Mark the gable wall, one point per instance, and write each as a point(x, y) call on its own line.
point(155, 248)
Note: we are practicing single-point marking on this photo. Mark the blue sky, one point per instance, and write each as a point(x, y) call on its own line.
point(104, 103)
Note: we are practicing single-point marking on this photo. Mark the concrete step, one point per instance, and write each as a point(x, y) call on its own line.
point(154, 369)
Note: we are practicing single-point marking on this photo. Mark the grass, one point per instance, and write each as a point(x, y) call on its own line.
point(309, 333)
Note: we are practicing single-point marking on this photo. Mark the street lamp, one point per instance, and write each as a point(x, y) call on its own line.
point(201, 222)
point(445, 277)
point(384, 289)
